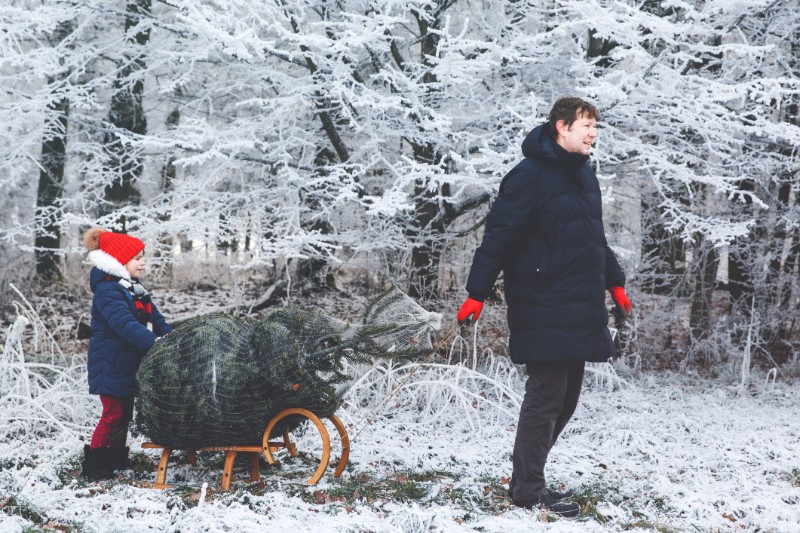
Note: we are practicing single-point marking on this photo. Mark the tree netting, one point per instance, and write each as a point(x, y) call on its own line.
point(217, 380)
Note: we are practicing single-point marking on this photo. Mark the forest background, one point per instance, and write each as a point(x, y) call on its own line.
point(289, 149)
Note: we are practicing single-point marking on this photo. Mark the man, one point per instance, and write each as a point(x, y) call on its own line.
point(545, 232)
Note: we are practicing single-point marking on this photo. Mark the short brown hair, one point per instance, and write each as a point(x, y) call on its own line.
point(569, 109)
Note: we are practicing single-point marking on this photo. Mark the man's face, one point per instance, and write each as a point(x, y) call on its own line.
point(579, 137)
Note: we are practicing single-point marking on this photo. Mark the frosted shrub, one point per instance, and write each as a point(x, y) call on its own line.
point(39, 396)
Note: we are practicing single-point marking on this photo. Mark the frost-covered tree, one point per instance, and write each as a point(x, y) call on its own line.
point(297, 137)
point(763, 263)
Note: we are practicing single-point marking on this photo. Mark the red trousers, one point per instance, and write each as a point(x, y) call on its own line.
point(112, 430)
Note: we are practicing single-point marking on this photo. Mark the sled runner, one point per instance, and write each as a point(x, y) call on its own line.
point(267, 447)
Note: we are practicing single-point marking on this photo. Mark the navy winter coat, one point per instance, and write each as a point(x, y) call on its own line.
point(120, 337)
point(545, 232)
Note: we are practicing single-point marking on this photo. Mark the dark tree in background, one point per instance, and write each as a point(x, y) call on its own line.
point(427, 228)
point(126, 115)
point(51, 174)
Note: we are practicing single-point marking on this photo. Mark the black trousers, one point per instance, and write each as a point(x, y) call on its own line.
point(551, 396)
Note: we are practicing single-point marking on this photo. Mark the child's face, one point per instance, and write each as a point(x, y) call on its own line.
point(136, 265)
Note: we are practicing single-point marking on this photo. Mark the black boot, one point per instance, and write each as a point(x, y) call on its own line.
point(557, 496)
point(119, 458)
point(96, 463)
point(548, 504)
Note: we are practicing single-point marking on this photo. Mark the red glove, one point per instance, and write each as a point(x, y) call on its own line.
point(621, 299)
point(470, 307)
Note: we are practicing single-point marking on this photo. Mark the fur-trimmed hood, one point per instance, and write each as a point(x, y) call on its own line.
point(108, 264)
point(104, 266)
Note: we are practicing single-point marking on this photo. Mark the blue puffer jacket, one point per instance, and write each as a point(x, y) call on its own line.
point(545, 232)
point(120, 337)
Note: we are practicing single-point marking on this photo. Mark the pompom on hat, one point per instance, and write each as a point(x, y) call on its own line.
point(121, 247)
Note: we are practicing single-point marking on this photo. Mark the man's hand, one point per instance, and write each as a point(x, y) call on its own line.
point(469, 308)
point(621, 299)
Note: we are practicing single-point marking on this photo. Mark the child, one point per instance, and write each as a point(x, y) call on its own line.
point(121, 309)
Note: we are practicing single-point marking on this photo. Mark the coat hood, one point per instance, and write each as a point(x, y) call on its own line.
point(96, 276)
point(108, 264)
point(104, 265)
point(539, 144)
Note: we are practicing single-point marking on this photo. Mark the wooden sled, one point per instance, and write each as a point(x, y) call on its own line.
point(267, 448)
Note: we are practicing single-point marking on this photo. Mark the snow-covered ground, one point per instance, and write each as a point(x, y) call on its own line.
point(431, 452)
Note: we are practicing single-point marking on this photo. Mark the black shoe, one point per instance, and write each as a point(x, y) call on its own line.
point(558, 496)
point(96, 463)
point(545, 502)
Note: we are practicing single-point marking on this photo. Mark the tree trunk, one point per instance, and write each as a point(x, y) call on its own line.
point(740, 259)
point(51, 184)
point(705, 267)
point(663, 268)
point(168, 175)
point(425, 237)
point(127, 115)
point(51, 178)
point(428, 227)
point(314, 270)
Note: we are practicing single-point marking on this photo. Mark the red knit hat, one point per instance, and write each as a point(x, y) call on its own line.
point(121, 247)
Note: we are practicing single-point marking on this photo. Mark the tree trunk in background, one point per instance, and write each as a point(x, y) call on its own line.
point(51, 178)
point(168, 174)
point(663, 268)
point(778, 288)
point(427, 229)
point(600, 49)
point(314, 269)
point(127, 114)
point(425, 236)
point(705, 266)
point(51, 184)
point(740, 259)
point(227, 243)
point(781, 234)
point(791, 287)
point(788, 288)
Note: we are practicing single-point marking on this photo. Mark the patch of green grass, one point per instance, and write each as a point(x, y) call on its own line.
point(401, 486)
point(589, 496)
point(490, 496)
point(41, 523)
point(16, 464)
point(53, 526)
point(141, 463)
point(647, 524)
point(298, 468)
point(183, 497)
point(24, 509)
point(71, 469)
point(405, 488)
